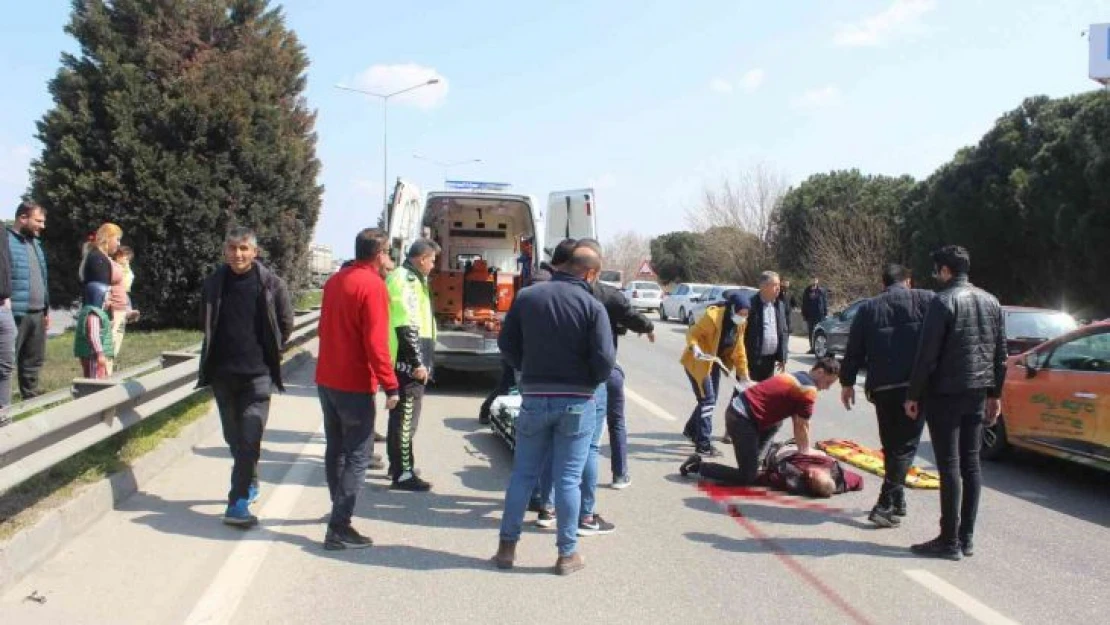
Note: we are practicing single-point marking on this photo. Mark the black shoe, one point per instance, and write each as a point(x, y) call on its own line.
point(691, 465)
point(938, 548)
point(899, 508)
point(709, 452)
point(413, 484)
point(594, 525)
point(346, 538)
point(884, 517)
point(967, 547)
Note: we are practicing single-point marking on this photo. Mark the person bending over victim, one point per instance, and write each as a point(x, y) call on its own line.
point(756, 414)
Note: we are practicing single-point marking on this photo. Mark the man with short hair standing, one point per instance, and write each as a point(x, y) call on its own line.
point(557, 335)
point(248, 317)
point(353, 362)
point(958, 376)
point(765, 337)
point(789, 303)
point(883, 340)
point(412, 345)
point(30, 297)
point(815, 307)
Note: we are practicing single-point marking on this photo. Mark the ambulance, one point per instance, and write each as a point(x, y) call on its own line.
point(491, 240)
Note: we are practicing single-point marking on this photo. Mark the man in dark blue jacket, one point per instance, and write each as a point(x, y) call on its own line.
point(30, 294)
point(883, 339)
point(557, 335)
point(765, 336)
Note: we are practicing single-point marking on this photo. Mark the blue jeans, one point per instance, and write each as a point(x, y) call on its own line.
point(563, 428)
point(700, 424)
point(349, 430)
point(618, 432)
point(589, 472)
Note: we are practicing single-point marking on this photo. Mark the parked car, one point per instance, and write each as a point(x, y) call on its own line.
point(1056, 400)
point(1025, 328)
point(611, 277)
point(644, 295)
point(714, 295)
point(677, 302)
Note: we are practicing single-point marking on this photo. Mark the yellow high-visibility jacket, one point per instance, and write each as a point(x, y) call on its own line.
point(706, 334)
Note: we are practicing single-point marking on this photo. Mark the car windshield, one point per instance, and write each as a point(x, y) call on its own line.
point(1038, 325)
point(698, 289)
point(645, 286)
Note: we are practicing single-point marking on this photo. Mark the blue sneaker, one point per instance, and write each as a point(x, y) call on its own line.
point(239, 515)
point(253, 493)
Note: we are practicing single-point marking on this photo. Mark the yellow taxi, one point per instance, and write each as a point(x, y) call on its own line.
point(1056, 399)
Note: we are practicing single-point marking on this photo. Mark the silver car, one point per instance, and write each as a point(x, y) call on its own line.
point(643, 295)
point(677, 303)
point(715, 295)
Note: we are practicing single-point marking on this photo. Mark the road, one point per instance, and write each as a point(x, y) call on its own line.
point(678, 556)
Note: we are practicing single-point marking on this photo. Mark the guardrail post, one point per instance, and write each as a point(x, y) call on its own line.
point(170, 359)
point(83, 387)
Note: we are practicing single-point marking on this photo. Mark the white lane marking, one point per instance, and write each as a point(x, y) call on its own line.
point(221, 599)
point(970, 605)
point(648, 405)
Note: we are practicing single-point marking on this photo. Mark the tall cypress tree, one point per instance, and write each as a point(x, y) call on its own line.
point(177, 120)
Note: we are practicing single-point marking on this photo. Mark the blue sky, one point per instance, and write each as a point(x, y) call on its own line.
point(646, 101)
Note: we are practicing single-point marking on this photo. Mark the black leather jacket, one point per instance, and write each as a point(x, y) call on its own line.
point(621, 315)
point(963, 344)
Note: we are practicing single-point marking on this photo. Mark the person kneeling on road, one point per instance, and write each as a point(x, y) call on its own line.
point(412, 347)
point(756, 414)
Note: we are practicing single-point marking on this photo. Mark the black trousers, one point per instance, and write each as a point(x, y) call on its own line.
point(761, 367)
point(899, 435)
point(403, 420)
point(748, 443)
point(244, 405)
point(30, 352)
point(956, 429)
point(349, 429)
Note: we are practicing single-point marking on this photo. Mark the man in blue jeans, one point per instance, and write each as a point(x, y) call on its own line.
point(557, 335)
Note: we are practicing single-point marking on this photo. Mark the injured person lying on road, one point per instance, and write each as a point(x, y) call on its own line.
point(785, 468)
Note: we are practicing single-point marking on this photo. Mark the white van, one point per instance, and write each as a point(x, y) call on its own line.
point(483, 230)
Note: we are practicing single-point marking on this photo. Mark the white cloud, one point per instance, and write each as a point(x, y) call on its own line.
point(720, 85)
point(900, 17)
point(823, 97)
point(384, 79)
point(748, 83)
point(752, 80)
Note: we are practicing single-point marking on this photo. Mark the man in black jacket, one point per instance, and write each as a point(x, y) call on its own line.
point(883, 339)
point(815, 307)
point(247, 319)
point(765, 337)
point(958, 375)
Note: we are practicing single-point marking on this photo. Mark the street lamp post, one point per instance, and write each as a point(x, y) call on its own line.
point(446, 164)
point(385, 132)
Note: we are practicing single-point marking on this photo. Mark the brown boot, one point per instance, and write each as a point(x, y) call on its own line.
point(566, 565)
point(506, 553)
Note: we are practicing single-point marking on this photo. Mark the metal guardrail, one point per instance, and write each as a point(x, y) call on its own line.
point(102, 408)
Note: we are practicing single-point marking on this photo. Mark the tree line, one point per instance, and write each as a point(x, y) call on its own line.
point(1031, 202)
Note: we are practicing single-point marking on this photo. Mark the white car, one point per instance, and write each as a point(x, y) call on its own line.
point(715, 295)
point(677, 302)
point(644, 295)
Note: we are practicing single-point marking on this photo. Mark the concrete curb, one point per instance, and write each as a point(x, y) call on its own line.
point(20, 554)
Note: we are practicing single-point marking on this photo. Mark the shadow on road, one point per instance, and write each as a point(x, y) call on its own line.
point(785, 515)
point(814, 547)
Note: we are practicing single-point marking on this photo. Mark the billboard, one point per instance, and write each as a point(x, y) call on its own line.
point(1099, 37)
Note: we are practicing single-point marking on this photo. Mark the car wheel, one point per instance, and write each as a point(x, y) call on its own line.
point(662, 313)
point(820, 344)
point(994, 444)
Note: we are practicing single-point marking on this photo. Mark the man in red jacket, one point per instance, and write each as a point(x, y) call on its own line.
point(353, 361)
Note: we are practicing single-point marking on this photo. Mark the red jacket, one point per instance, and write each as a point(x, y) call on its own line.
point(354, 332)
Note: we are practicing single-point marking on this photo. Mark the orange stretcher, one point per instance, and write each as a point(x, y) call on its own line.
point(871, 460)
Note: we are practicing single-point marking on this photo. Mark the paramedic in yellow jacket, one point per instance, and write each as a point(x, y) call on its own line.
point(411, 347)
point(718, 334)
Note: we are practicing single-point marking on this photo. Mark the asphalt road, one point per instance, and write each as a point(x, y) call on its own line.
point(678, 555)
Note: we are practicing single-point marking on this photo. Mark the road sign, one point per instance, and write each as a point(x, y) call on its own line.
point(645, 269)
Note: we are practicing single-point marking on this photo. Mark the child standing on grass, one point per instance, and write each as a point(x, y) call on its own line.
point(92, 344)
point(121, 309)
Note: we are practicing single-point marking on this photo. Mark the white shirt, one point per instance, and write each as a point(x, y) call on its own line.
point(770, 329)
